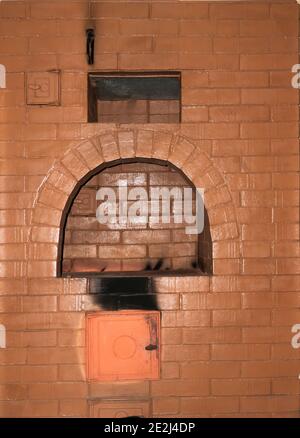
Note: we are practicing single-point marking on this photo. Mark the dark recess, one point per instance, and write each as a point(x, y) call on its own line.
point(131, 87)
point(120, 293)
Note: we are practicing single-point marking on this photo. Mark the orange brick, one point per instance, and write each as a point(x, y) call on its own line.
point(152, 61)
point(241, 387)
point(283, 352)
point(12, 252)
point(194, 79)
point(251, 11)
point(241, 318)
point(183, 387)
point(170, 370)
point(230, 267)
point(243, 80)
point(241, 352)
point(229, 148)
point(209, 405)
point(187, 10)
point(15, 10)
point(143, 26)
point(43, 356)
point(286, 249)
point(43, 373)
point(284, 317)
point(57, 391)
point(258, 199)
point(269, 404)
point(39, 304)
point(58, 10)
point(281, 12)
point(149, 236)
point(181, 353)
point(268, 27)
point(284, 113)
point(124, 389)
point(122, 251)
point(287, 300)
point(239, 113)
point(183, 44)
point(194, 114)
point(284, 368)
point(285, 386)
point(257, 300)
point(213, 369)
point(71, 373)
point(267, 62)
point(195, 96)
point(227, 27)
point(47, 338)
point(256, 249)
point(259, 266)
point(166, 405)
point(285, 180)
point(236, 284)
point(288, 266)
point(73, 408)
point(211, 335)
point(191, 284)
point(263, 96)
point(268, 130)
point(269, 335)
point(171, 336)
point(40, 408)
point(280, 79)
point(123, 10)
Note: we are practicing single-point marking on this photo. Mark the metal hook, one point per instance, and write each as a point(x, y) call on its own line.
point(90, 45)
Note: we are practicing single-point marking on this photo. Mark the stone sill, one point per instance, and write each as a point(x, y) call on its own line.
point(170, 273)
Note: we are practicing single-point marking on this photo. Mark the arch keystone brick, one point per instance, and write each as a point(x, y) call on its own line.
point(144, 143)
point(126, 143)
point(75, 165)
point(61, 180)
point(90, 154)
point(161, 144)
point(196, 165)
point(109, 147)
point(181, 151)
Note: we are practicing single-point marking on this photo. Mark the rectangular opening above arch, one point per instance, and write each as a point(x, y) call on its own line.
point(143, 97)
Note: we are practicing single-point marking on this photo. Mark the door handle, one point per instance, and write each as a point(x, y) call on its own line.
point(151, 347)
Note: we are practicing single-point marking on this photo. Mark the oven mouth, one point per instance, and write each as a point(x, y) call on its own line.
point(124, 293)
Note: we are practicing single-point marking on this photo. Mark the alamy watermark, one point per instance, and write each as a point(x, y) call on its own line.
point(295, 342)
point(296, 78)
point(124, 206)
point(296, 338)
point(2, 76)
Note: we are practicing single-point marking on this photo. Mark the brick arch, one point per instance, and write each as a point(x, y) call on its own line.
point(70, 172)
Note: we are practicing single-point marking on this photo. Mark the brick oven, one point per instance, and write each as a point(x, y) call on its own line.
point(142, 319)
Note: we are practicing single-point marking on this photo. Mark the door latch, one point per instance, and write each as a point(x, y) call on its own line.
point(151, 347)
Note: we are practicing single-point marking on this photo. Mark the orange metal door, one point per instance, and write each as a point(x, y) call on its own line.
point(123, 345)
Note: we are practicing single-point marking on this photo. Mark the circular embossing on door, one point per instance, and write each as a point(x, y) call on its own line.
point(124, 347)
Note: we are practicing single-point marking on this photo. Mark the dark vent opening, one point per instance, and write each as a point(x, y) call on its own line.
point(134, 97)
point(123, 293)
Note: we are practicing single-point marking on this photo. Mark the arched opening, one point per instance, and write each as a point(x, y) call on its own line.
point(150, 240)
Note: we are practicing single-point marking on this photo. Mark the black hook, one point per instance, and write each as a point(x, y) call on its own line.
point(90, 45)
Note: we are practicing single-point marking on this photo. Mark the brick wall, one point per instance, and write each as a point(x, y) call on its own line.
point(138, 245)
point(226, 338)
point(139, 111)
